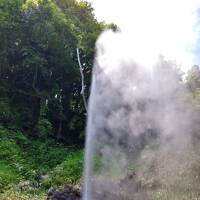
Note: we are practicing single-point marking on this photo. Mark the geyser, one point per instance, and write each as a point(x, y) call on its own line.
point(141, 129)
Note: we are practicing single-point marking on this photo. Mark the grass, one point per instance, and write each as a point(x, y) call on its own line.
point(14, 194)
point(28, 168)
point(69, 171)
point(7, 175)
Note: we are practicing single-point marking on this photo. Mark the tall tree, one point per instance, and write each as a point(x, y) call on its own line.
point(39, 67)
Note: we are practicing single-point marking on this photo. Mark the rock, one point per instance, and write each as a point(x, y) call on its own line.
point(25, 185)
point(43, 178)
point(68, 193)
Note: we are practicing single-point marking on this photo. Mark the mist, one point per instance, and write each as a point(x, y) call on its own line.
point(143, 132)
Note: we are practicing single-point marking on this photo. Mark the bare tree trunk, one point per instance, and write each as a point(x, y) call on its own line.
point(82, 82)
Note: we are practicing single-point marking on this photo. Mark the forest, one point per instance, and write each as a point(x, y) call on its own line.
point(42, 115)
point(42, 112)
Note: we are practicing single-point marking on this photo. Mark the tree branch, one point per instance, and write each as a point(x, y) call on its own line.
point(82, 80)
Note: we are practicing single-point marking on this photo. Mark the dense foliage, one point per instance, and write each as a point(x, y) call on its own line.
point(41, 108)
point(40, 83)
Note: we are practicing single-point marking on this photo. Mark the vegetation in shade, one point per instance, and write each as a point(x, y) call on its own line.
point(31, 167)
point(40, 83)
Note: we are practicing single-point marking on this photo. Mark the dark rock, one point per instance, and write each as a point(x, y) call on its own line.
point(68, 193)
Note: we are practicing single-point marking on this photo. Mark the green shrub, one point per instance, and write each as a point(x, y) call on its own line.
point(44, 128)
point(69, 171)
point(46, 154)
point(23, 159)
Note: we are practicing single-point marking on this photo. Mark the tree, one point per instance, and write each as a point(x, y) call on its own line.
point(39, 67)
point(193, 80)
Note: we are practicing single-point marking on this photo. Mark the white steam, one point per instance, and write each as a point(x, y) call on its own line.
point(140, 117)
point(143, 132)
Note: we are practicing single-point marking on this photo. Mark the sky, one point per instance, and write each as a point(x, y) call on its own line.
point(164, 26)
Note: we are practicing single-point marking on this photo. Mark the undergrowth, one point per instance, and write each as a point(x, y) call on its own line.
point(28, 168)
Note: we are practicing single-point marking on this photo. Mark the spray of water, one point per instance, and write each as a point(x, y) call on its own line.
point(142, 131)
